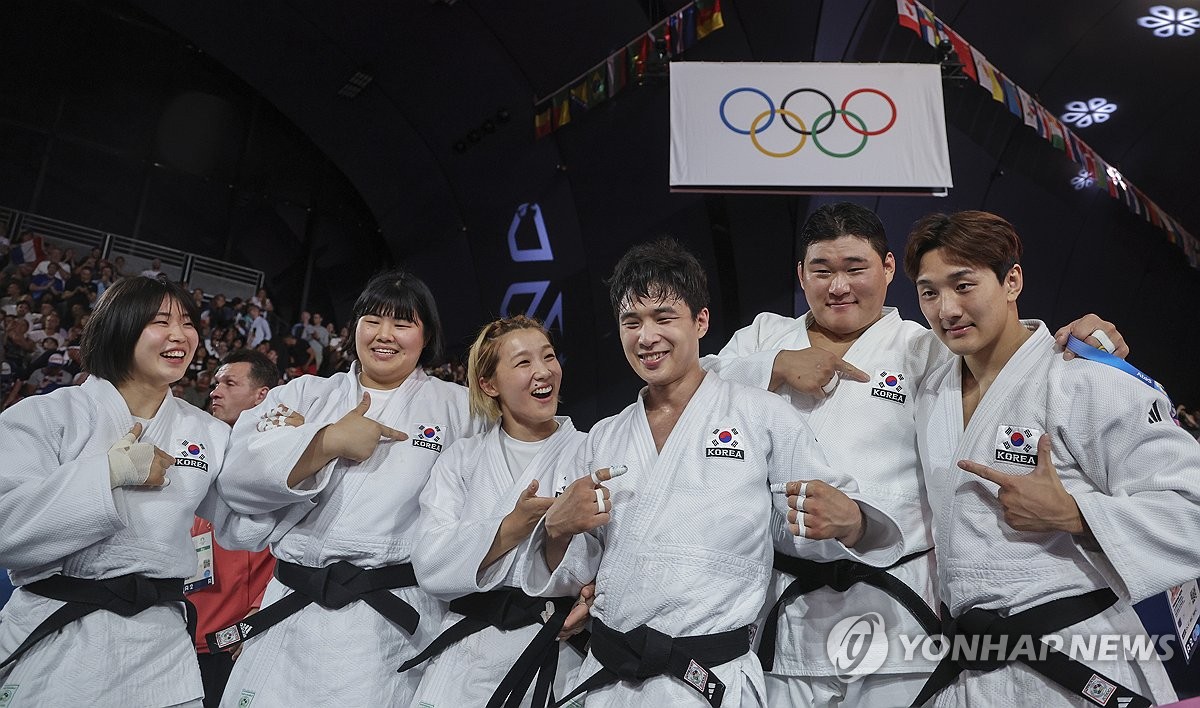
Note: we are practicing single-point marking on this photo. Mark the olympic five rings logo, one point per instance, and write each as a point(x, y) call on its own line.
point(758, 125)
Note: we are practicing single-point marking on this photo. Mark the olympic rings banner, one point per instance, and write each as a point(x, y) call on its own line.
point(808, 127)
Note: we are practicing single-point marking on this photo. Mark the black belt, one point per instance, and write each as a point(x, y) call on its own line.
point(510, 609)
point(840, 575)
point(126, 595)
point(644, 652)
point(1035, 622)
point(332, 587)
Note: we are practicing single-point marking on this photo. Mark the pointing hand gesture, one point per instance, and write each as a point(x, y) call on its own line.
point(1036, 501)
point(355, 436)
point(813, 371)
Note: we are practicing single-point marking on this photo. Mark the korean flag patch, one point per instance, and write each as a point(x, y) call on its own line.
point(1017, 445)
point(725, 442)
point(889, 385)
point(428, 437)
point(189, 453)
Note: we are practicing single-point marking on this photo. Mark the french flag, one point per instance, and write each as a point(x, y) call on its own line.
point(31, 250)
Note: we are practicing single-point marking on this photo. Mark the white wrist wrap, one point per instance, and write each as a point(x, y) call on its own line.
point(129, 462)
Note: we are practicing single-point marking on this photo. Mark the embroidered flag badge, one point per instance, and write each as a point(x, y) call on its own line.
point(428, 437)
point(725, 442)
point(189, 453)
point(889, 385)
point(1017, 444)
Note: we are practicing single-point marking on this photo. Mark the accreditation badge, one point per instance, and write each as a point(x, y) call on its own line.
point(206, 569)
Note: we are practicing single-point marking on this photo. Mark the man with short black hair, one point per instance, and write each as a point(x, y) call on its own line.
point(1062, 491)
point(236, 580)
point(866, 424)
point(680, 546)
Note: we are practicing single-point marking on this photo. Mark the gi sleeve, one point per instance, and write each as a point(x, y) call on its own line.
point(795, 455)
point(749, 357)
point(50, 507)
point(262, 455)
point(450, 548)
point(580, 563)
point(1144, 507)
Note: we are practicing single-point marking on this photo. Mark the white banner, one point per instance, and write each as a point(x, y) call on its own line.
point(807, 127)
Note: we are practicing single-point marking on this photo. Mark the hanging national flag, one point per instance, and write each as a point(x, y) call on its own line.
point(1057, 136)
point(688, 31)
point(1011, 99)
point(1155, 214)
point(1043, 122)
point(598, 85)
point(907, 10)
point(961, 49)
point(1028, 109)
point(562, 109)
point(987, 75)
point(708, 18)
point(928, 24)
point(580, 95)
point(637, 52)
point(675, 33)
point(1100, 169)
point(542, 125)
point(618, 71)
point(1131, 199)
point(1069, 142)
point(1089, 158)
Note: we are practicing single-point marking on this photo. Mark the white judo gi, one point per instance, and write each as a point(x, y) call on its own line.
point(869, 430)
point(470, 491)
point(688, 548)
point(1137, 484)
point(364, 513)
point(60, 516)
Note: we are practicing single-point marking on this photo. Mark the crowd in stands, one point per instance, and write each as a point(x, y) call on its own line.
point(49, 293)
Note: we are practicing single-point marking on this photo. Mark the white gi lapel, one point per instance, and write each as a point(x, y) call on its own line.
point(993, 435)
point(115, 419)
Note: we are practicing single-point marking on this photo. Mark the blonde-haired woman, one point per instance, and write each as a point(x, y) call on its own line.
point(484, 497)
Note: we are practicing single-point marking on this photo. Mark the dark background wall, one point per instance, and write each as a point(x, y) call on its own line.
point(193, 126)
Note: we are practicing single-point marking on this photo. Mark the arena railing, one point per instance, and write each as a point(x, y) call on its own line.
point(210, 274)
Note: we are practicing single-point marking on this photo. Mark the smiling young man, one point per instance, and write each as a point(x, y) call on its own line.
point(1058, 497)
point(681, 551)
point(866, 425)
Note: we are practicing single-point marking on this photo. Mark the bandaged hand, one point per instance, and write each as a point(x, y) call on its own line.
point(1036, 502)
point(278, 417)
point(818, 510)
point(813, 371)
point(133, 464)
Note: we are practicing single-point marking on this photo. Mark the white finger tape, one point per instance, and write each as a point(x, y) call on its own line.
point(600, 499)
point(1105, 342)
point(831, 384)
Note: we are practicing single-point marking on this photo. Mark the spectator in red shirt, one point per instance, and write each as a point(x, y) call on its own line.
point(238, 578)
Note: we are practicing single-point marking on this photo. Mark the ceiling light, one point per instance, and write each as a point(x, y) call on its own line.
point(1082, 114)
point(1167, 21)
point(1083, 180)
